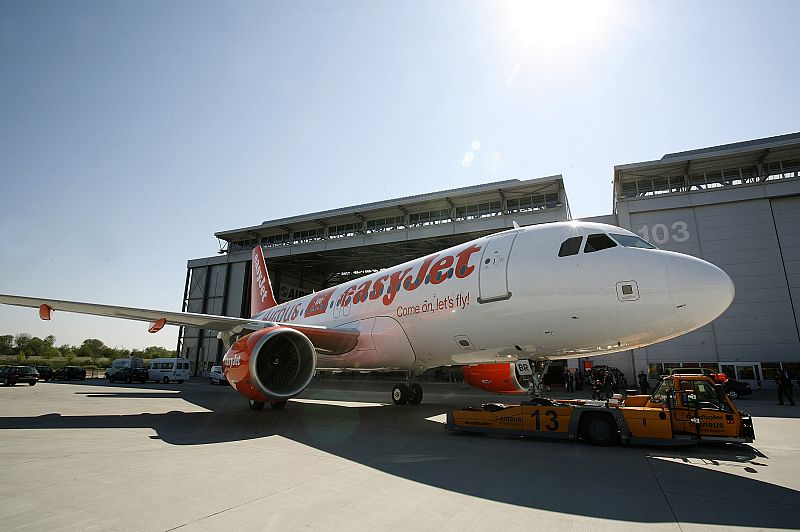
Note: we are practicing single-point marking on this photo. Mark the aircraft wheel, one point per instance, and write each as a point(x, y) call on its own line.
point(278, 405)
point(256, 405)
point(416, 394)
point(400, 394)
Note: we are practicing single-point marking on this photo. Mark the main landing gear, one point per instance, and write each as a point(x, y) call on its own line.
point(259, 405)
point(409, 392)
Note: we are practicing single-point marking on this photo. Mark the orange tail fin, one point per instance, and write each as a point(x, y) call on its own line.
point(261, 297)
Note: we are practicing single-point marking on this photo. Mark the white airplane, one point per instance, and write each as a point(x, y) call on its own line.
point(543, 292)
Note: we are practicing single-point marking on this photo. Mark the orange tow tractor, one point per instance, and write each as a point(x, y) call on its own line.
point(684, 409)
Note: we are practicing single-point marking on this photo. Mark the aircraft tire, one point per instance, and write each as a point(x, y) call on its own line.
point(256, 405)
point(416, 394)
point(400, 394)
point(278, 405)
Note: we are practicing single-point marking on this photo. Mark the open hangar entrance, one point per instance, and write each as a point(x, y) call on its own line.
point(310, 252)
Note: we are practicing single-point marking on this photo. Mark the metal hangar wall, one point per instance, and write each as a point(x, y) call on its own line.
point(736, 206)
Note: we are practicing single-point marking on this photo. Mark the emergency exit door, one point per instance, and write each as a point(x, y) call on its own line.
point(493, 276)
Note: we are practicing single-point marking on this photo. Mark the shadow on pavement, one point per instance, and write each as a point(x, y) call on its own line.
point(610, 483)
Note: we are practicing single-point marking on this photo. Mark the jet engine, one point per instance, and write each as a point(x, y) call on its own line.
point(496, 378)
point(271, 365)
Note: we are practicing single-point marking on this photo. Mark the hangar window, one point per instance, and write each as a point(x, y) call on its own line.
point(533, 202)
point(429, 218)
point(308, 235)
point(631, 241)
point(339, 231)
point(598, 242)
point(385, 224)
point(481, 210)
point(277, 240)
point(570, 246)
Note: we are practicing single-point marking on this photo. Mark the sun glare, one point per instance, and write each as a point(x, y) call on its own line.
point(555, 26)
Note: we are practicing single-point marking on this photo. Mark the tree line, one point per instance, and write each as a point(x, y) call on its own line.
point(23, 347)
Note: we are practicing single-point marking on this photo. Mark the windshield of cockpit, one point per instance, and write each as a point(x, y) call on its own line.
point(600, 241)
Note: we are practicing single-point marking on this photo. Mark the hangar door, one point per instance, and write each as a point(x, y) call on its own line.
point(494, 266)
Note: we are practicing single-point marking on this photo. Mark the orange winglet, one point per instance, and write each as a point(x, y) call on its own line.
point(157, 325)
point(44, 311)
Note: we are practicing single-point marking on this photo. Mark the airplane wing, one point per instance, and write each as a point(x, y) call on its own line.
point(325, 340)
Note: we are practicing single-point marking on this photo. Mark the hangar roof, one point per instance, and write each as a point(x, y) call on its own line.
point(340, 243)
point(543, 192)
point(727, 165)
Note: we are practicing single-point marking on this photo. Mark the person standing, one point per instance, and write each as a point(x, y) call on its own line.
point(785, 386)
point(608, 384)
point(644, 386)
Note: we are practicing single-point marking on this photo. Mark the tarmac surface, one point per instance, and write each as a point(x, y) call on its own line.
point(95, 456)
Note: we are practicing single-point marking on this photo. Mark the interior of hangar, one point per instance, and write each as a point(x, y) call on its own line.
point(310, 252)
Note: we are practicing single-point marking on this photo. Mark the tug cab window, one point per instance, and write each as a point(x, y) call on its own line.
point(631, 241)
point(570, 246)
point(598, 242)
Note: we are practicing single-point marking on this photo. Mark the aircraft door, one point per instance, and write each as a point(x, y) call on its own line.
point(493, 279)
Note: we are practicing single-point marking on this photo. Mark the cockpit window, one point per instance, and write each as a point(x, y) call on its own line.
point(631, 241)
point(570, 246)
point(598, 242)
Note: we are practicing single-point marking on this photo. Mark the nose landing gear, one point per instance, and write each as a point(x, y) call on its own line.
point(409, 392)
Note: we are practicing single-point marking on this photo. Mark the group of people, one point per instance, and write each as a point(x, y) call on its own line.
point(604, 386)
point(573, 381)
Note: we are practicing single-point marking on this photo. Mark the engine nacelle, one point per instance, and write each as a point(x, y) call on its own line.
point(495, 378)
point(270, 365)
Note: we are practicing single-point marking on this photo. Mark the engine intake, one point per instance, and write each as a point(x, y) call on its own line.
point(272, 364)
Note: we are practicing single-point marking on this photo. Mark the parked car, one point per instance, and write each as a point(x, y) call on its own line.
point(45, 372)
point(129, 374)
point(69, 373)
point(10, 375)
point(129, 362)
point(736, 388)
point(217, 376)
point(169, 369)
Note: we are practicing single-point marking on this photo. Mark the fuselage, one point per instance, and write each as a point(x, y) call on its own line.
point(560, 290)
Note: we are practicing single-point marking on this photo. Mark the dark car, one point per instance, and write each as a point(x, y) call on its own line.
point(129, 374)
point(10, 375)
point(45, 373)
point(736, 388)
point(69, 372)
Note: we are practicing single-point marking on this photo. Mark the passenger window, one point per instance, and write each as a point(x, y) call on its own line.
point(570, 246)
point(598, 242)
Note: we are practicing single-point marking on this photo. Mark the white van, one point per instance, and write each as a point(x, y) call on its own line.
point(118, 364)
point(169, 369)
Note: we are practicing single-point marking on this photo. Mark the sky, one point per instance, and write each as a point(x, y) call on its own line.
point(131, 131)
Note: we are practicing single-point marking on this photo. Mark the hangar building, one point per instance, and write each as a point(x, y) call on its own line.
point(736, 205)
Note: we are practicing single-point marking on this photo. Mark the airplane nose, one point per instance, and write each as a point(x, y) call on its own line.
point(700, 291)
